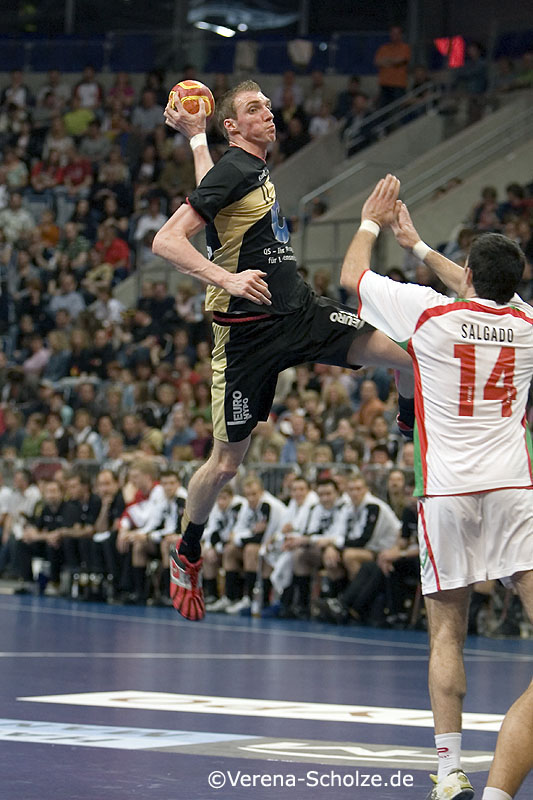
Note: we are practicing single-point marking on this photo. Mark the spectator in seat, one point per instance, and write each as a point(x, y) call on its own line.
point(58, 139)
point(371, 406)
point(88, 91)
point(177, 175)
point(320, 541)
point(148, 504)
point(15, 220)
point(259, 519)
point(57, 88)
point(58, 362)
point(357, 131)
point(77, 175)
point(292, 572)
point(151, 220)
point(337, 406)
point(368, 524)
point(288, 84)
point(68, 298)
point(35, 434)
point(322, 122)
point(13, 433)
point(22, 504)
point(395, 491)
point(217, 533)
point(56, 431)
point(345, 98)
point(38, 358)
point(121, 91)
point(41, 538)
point(77, 119)
point(100, 354)
point(113, 250)
point(381, 586)
point(15, 170)
point(94, 146)
point(83, 433)
point(296, 138)
point(318, 95)
point(147, 115)
point(16, 93)
point(82, 512)
point(104, 556)
point(156, 540)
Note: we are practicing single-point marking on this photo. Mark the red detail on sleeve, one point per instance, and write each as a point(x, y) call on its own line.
point(359, 293)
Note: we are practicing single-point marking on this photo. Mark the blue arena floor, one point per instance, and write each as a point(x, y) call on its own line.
point(112, 703)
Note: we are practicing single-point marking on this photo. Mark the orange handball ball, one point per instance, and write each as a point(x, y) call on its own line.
point(191, 94)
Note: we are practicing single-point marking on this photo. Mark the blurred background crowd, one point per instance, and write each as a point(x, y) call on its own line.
point(92, 386)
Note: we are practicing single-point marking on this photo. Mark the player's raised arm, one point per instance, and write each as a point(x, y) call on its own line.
point(172, 242)
point(379, 210)
point(193, 127)
point(451, 274)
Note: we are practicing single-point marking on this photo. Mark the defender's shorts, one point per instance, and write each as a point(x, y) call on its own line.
point(249, 353)
point(474, 537)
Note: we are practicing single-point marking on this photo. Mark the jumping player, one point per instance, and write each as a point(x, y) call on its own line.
point(265, 317)
point(473, 361)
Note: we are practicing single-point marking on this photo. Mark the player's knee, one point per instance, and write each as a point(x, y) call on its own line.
point(225, 470)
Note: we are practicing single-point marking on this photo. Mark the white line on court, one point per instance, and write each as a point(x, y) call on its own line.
point(250, 630)
point(244, 656)
point(260, 707)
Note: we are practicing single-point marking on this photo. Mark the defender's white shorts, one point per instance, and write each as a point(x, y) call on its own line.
point(474, 537)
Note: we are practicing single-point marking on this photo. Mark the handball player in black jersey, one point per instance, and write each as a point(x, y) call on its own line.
point(265, 317)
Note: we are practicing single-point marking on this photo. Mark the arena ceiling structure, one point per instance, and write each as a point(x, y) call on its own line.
point(174, 23)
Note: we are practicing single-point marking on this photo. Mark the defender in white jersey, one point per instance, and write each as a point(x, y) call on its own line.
point(473, 360)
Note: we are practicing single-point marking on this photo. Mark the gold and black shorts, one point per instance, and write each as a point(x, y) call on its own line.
point(250, 351)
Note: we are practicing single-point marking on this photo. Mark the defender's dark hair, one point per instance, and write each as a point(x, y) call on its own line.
point(225, 108)
point(497, 265)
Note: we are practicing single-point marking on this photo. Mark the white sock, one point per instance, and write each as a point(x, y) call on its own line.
point(449, 752)
point(495, 794)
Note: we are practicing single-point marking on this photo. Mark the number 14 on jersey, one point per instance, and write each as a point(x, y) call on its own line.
point(499, 386)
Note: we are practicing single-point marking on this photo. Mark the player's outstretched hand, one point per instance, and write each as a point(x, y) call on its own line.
point(380, 207)
point(403, 228)
point(181, 120)
point(249, 284)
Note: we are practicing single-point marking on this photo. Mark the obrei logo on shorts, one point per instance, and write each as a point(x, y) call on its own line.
point(345, 318)
point(240, 409)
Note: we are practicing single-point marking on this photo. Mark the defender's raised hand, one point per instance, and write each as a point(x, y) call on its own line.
point(380, 207)
point(403, 228)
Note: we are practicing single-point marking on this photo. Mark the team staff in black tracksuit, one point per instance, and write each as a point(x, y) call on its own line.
point(42, 536)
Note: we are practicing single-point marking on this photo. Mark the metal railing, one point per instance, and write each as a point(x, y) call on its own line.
point(497, 141)
point(390, 116)
point(492, 144)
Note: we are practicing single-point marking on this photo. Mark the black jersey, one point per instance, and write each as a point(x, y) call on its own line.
point(245, 230)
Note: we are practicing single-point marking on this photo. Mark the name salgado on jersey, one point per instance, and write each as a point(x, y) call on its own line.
point(486, 333)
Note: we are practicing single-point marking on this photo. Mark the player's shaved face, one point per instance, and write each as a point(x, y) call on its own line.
point(253, 118)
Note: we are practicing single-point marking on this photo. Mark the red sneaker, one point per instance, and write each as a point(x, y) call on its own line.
point(186, 586)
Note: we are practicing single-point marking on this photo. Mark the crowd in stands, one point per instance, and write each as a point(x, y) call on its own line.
point(106, 410)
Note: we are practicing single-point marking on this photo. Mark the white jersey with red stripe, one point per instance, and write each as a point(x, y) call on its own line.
point(473, 363)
